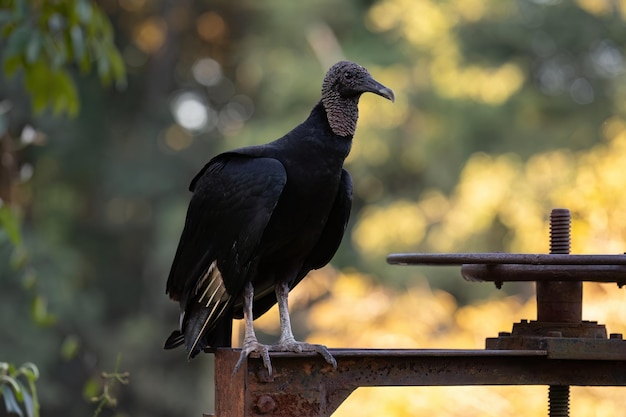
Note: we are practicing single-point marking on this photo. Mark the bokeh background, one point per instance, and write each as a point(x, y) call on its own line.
point(505, 109)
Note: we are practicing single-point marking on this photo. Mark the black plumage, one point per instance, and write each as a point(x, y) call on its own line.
point(262, 217)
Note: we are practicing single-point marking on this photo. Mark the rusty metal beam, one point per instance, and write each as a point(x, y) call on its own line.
point(305, 385)
point(527, 272)
point(503, 258)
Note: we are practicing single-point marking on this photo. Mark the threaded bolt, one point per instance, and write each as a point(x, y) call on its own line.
point(558, 401)
point(560, 221)
point(560, 239)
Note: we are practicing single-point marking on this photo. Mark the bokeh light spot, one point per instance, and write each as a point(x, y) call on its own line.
point(150, 35)
point(211, 26)
point(207, 71)
point(190, 111)
point(177, 138)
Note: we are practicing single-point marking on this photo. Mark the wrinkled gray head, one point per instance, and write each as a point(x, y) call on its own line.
point(342, 87)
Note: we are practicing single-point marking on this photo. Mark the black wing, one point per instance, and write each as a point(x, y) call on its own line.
point(234, 196)
point(326, 246)
point(335, 227)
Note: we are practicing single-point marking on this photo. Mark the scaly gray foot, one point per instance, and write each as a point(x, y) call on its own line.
point(298, 347)
point(254, 346)
point(282, 346)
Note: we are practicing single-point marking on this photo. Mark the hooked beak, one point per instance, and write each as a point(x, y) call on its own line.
point(370, 85)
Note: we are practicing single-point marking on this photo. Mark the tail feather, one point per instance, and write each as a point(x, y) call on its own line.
point(207, 319)
point(220, 336)
point(174, 340)
point(200, 335)
point(195, 341)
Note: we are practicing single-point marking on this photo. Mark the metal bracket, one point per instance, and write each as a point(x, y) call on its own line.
point(559, 349)
point(305, 385)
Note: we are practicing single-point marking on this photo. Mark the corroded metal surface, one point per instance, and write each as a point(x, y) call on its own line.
point(559, 349)
point(305, 385)
point(530, 272)
point(496, 258)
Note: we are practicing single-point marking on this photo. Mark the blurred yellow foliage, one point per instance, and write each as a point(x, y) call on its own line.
point(481, 84)
point(518, 194)
point(597, 7)
point(382, 229)
point(429, 26)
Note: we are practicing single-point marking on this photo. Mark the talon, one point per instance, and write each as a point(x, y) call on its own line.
point(299, 347)
point(266, 361)
point(261, 349)
point(238, 364)
point(327, 355)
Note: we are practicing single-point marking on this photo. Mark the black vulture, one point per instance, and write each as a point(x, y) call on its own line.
point(261, 217)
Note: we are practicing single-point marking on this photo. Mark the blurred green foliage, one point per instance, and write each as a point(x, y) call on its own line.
point(9, 225)
point(18, 390)
point(101, 197)
point(106, 398)
point(41, 38)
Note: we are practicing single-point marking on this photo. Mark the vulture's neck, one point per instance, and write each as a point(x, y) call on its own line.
point(342, 114)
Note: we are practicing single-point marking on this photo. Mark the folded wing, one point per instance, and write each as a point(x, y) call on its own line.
point(234, 197)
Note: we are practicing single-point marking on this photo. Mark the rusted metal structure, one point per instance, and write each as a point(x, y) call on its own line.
point(559, 349)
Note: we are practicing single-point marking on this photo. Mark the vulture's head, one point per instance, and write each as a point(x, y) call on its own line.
point(342, 87)
point(350, 80)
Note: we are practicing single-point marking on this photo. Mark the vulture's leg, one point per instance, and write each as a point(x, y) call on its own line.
point(287, 341)
point(250, 342)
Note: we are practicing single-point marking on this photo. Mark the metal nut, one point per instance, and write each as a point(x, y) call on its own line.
point(265, 404)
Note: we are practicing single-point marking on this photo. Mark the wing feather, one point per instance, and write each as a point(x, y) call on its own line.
point(334, 228)
point(326, 246)
point(234, 197)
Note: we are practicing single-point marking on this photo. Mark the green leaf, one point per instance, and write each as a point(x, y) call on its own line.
point(11, 370)
point(10, 382)
point(17, 387)
point(10, 223)
point(70, 347)
point(91, 388)
point(10, 402)
point(43, 38)
point(40, 100)
point(12, 64)
point(27, 401)
point(29, 370)
point(40, 313)
point(85, 64)
point(38, 83)
point(65, 97)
